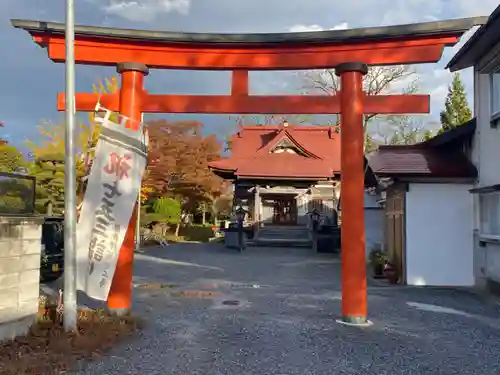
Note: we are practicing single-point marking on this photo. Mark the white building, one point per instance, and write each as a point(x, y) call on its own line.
point(429, 209)
point(442, 202)
point(482, 52)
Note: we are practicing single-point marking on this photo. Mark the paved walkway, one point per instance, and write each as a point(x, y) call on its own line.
point(284, 323)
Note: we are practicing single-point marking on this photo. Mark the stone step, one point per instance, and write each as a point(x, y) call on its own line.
point(283, 236)
point(282, 242)
point(284, 232)
point(287, 230)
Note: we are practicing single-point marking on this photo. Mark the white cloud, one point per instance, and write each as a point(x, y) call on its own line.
point(470, 8)
point(145, 10)
point(340, 26)
point(314, 27)
point(305, 28)
point(438, 94)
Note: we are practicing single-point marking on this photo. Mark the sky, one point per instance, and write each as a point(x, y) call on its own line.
point(29, 81)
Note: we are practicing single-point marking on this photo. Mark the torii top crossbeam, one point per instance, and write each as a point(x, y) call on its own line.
point(403, 44)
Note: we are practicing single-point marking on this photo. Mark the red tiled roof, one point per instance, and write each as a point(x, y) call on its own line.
point(277, 165)
point(251, 155)
point(421, 161)
point(223, 164)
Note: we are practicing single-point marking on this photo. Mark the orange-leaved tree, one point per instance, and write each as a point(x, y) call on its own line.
point(178, 164)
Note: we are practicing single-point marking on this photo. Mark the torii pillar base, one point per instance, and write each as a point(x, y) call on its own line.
point(354, 294)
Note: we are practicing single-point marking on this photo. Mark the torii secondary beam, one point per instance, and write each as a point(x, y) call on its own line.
point(220, 104)
point(241, 102)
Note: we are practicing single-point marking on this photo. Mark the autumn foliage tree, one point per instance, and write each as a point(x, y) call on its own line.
point(48, 151)
point(178, 164)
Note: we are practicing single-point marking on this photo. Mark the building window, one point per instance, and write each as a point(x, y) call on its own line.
point(489, 209)
point(495, 95)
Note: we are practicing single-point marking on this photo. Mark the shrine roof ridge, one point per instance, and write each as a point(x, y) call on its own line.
point(295, 127)
point(379, 33)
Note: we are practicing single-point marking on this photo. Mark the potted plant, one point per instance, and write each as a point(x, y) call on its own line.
point(391, 273)
point(377, 261)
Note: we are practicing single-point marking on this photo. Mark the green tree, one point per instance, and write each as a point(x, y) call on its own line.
point(16, 196)
point(456, 108)
point(15, 193)
point(11, 159)
point(370, 143)
point(168, 209)
point(49, 174)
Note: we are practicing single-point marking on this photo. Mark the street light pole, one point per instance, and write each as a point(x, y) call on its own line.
point(138, 221)
point(69, 302)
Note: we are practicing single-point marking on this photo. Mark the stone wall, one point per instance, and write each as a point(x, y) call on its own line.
point(20, 247)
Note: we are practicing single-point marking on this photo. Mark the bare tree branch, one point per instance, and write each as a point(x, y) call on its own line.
point(379, 80)
point(265, 120)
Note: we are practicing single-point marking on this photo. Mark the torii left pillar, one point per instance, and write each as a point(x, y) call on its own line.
point(131, 96)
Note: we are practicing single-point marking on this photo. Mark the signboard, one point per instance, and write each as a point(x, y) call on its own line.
point(113, 185)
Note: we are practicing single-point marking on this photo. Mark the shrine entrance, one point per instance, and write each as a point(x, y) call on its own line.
point(285, 211)
point(350, 52)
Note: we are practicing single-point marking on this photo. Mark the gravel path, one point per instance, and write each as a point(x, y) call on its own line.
point(284, 323)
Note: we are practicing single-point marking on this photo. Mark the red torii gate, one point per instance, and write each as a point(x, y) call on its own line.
point(133, 52)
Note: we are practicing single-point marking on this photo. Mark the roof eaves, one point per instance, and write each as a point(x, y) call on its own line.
point(416, 146)
point(465, 130)
point(483, 39)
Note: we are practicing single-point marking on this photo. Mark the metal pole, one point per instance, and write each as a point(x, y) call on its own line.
point(70, 307)
point(138, 222)
point(138, 225)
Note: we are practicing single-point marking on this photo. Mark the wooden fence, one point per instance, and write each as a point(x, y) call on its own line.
point(394, 228)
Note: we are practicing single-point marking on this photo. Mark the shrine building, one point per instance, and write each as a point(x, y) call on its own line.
point(281, 173)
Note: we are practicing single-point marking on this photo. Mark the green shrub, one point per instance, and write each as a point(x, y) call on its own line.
point(167, 209)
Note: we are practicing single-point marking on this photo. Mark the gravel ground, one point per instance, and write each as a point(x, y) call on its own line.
point(285, 320)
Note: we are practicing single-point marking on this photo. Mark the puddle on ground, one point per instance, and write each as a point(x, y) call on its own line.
point(247, 286)
point(194, 293)
point(155, 286)
point(437, 309)
point(493, 323)
point(226, 303)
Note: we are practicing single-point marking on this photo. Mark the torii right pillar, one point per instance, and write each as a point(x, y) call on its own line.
point(354, 294)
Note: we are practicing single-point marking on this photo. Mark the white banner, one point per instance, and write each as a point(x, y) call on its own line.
point(113, 185)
